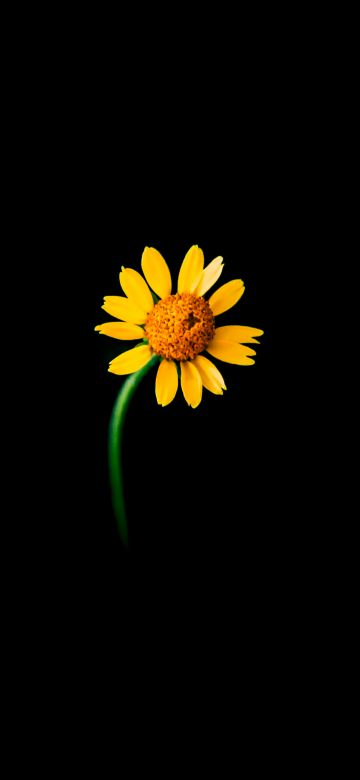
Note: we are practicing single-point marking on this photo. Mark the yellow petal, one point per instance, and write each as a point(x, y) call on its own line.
point(156, 272)
point(226, 296)
point(191, 270)
point(191, 384)
point(210, 376)
point(124, 309)
point(167, 381)
point(238, 333)
point(136, 289)
point(121, 330)
point(209, 276)
point(230, 352)
point(130, 361)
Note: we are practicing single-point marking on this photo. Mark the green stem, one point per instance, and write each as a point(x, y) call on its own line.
point(116, 431)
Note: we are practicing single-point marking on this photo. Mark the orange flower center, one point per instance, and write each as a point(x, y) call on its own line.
point(180, 326)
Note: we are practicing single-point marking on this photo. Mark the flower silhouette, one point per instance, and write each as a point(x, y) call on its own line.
point(178, 328)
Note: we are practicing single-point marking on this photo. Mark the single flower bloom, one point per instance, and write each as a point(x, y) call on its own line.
point(178, 327)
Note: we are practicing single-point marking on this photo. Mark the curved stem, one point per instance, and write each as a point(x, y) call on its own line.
point(115, 444)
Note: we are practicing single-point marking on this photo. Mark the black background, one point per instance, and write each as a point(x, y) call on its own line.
point(208, 490)
point(217, 528)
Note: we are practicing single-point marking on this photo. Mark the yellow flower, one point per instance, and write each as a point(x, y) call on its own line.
point(179, 327)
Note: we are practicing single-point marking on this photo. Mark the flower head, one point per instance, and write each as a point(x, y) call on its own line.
point(178, 327)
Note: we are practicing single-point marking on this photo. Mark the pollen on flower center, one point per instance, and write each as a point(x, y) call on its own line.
point(180, 326)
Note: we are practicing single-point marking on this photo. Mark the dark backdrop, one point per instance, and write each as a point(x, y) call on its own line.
point(207, 490)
